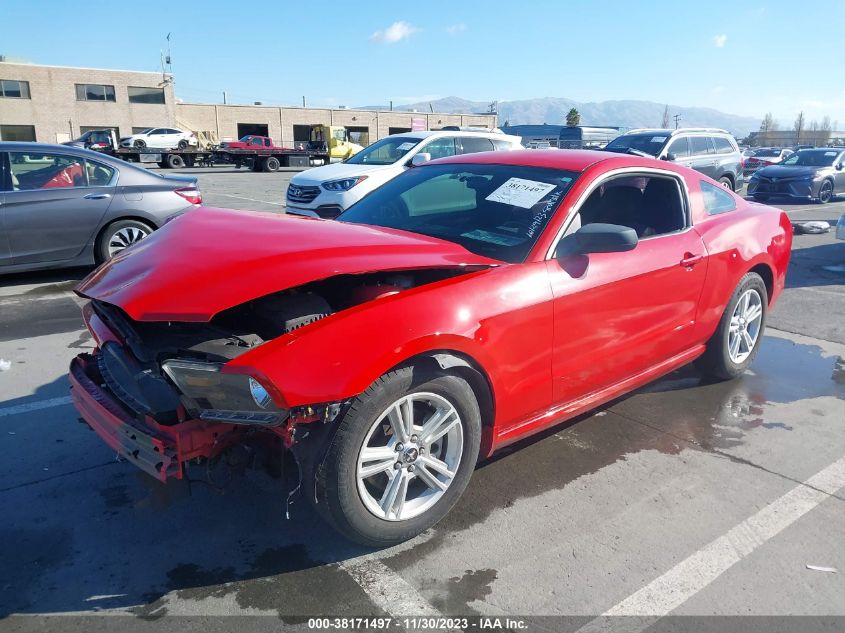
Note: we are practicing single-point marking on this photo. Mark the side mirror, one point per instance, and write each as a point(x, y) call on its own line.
point(670, 156)
point(420, 159)
point(839, 166)
point(603, 238)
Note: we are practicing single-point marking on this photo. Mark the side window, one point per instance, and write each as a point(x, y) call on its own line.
point(157, 131)
point(440, 147)
point(45, 171)
point(473, 145)
point(723, 145)
point(716, 199)
point(501, 145)
point(99, 175)
point(255, 141)
point(700, 145)
point(651, 205)
point(679, 147)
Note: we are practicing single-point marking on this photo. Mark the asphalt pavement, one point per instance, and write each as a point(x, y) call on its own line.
point(683, 499)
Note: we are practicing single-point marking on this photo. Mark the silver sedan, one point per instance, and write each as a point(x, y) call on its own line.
point(63, 206)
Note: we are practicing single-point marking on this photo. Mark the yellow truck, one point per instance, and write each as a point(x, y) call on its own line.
point(334, 140)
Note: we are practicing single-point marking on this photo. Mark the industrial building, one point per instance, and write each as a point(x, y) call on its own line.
point(54, 104)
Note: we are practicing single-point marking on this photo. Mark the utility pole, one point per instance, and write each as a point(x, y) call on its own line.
point(677, 118)
point(224, 97)
point(303, 101)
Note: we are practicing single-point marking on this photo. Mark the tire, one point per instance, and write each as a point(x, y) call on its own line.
point(139, 144)
point(825, 192)
point(174, 161)
point(271, 163)
point(117, 236)
point(349, 504)
point(727, 183)
point(183, 144)
point(718, 361)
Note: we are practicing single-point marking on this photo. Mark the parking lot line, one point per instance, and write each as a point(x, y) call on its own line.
point(230, 195)
point(687, 578)
point(387, 590)
point(34, 406)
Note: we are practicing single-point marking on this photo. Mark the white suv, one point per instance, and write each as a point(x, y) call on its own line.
point(329, 190)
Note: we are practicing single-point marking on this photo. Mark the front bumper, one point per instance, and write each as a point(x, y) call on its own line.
point(160, 451)
point(325, 204)
point(803, 189)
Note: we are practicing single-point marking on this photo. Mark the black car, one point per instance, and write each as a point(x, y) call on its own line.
point(808, 174)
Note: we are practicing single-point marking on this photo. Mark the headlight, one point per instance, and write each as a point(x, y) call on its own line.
point(807, 178)
point(219, 397)
point(344, 184)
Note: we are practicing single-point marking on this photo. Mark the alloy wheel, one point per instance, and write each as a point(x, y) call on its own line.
point(410, 456)
point(124, 237)
point(826, 192)
point(745, 325)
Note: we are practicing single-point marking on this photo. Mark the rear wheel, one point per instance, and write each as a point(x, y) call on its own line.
point(726, 182)
point(402, 456)
point(734, 345)
point(826, 192)
point(174, 161)
point(271, 163)
point(119, 235)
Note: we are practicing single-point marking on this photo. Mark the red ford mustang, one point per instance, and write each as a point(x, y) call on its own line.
point(462, 306)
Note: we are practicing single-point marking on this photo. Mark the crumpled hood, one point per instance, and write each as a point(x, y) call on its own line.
point(787, 171)
point(209, 260)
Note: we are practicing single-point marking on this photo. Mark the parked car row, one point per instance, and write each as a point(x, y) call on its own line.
point(817, 174)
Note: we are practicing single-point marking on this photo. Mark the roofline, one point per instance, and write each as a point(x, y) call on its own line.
point(330, 109)
point(105, 70)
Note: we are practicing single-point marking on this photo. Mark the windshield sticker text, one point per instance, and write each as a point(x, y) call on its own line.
point(519, 192)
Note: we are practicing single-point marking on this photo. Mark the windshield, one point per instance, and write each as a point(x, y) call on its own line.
point(498, 211)
point(812, 158)
point(385, 152)
point(650, 143)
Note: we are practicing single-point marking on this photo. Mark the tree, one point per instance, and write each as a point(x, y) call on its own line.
point(825, 132)
point(767, 127)
point(573, 118)
point(665, 122)
point(799, 126)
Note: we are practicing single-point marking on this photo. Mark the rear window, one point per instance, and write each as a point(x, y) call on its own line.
point(650, 143)
point(723, 145)
point(717, 200)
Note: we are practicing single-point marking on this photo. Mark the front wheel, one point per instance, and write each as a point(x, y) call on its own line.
point(139, 144)
point(183, 144)
point(727, 183)
point(735, 344)
point(826, 192)
point(403, 455)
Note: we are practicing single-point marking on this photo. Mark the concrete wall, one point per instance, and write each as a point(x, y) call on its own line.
point(56, 114)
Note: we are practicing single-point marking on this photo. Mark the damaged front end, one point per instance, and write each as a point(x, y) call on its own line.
point(160, 394)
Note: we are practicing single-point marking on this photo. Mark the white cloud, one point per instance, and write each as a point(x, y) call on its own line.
point(719, 40)
point(454, 29)
point(395, 32)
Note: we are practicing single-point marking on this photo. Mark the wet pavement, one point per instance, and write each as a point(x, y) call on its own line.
point(570, 523)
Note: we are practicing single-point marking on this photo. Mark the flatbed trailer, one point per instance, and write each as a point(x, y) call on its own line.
point(259, 159)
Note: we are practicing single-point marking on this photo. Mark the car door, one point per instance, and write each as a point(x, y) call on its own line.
point(51, 211)
point(703, 156)
point(616, 315)
point(157, 138)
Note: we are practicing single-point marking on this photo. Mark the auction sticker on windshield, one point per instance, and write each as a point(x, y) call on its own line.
point(521, 193)
point(404, 147)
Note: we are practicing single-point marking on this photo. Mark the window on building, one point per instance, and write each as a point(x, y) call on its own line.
point(138, 94)
point(94, 92)
point(717, 199)
point(14, 89)
point(302, 133)
point(398, 130)
point(17, 133)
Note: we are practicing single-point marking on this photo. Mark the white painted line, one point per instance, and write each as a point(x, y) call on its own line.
point(684, 580)
point(388, 591)
point(230, 195)
point(35, 406)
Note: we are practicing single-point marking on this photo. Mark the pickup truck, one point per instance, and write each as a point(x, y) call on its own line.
point(252, 142)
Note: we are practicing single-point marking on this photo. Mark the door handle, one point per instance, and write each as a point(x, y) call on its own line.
point(691, 260)
point(97, 196)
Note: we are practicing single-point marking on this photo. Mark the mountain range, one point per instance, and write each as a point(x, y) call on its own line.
point(626, 114)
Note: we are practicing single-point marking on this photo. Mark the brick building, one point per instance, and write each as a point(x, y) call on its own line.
point(54, 104)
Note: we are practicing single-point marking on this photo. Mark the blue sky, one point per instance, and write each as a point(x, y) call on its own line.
point(740, 57)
